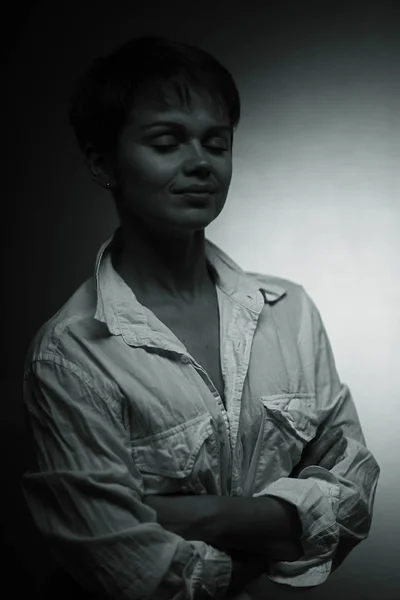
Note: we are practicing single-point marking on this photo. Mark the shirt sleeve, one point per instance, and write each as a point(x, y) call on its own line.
point(85, 496)
point(334, 506)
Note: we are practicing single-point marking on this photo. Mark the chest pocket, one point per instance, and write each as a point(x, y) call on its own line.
point(181, 459)
point(290, 423)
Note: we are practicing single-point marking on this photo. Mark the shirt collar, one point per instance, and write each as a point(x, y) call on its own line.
point(118, 307)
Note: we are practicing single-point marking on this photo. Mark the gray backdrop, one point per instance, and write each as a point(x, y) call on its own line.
point(314, 198)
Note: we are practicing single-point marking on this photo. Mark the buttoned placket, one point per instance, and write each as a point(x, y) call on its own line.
point(186, 359)
point(235, 349)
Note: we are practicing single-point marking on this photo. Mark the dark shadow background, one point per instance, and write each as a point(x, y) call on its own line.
point(55, 218)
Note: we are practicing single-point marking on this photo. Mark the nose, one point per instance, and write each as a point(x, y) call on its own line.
point(197, 159)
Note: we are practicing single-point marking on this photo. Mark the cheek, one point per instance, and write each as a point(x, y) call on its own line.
point(155, 170)
point(146, 170)
point(228, 171)
point(225, 173)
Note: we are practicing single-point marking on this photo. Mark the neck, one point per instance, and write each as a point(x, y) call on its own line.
point(160, 267)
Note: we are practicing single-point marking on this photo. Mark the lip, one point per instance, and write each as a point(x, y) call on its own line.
point(198, 189)
point(196, 194)
point(197, 198)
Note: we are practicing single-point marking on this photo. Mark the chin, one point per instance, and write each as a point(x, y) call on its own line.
point(198, 219)
point(187, 223)
point(185, 229)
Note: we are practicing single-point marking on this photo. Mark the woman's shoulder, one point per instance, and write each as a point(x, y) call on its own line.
point(276, 284)
point(289, 299)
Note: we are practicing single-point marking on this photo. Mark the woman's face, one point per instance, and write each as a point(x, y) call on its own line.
point(166, 148)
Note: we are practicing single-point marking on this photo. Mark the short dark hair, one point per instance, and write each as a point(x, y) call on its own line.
point(105, 93)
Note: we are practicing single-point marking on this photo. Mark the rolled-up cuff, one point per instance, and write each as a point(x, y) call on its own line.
point(212, 573)
point(301, 573)
point(315, 494)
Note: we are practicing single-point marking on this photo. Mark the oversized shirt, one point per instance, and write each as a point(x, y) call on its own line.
point(119, 409)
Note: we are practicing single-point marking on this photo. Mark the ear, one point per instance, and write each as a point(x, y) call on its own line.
point(98, 165)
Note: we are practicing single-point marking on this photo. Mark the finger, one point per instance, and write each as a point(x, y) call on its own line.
point(319, 447)
point(284, 550)
point(321, 452)
point(328, 458)
point(333, 455)
point(327, 438)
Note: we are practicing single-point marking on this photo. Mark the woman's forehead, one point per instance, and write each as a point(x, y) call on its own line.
point(160, 101)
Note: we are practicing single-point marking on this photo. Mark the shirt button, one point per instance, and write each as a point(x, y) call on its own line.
point(185, 360)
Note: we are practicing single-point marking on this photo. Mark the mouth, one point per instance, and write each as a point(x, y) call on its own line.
point(197, 189)
point(197, 198)
point(197, 194)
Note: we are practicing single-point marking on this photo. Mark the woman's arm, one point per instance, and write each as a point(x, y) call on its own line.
point(264, 526)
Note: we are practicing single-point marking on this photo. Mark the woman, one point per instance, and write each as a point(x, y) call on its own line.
point(174, 397)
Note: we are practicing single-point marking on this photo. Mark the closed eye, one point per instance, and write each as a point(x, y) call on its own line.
point(171, 147)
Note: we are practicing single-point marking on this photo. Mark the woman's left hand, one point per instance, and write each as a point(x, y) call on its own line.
point(323, 452)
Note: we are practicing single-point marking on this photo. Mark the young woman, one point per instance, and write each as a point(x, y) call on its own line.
point(173, 399)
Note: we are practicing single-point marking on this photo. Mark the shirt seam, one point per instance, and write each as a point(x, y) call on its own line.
point(99, 391)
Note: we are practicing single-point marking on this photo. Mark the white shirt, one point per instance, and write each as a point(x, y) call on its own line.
point(119, 409)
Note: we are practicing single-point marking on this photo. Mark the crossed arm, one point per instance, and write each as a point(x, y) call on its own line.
point(249, 529)
point(264, 526)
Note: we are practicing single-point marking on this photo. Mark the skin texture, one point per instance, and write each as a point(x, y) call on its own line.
point(148, 168)
point(249, 552)
point(153, 163)
point(323, 452)
point(226, 522)
point(166, 230)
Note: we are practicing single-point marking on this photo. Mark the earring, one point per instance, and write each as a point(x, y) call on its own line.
point(108, 185)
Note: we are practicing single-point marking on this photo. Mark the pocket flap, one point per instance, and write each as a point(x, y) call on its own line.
point(172, 453)
point(297, 411)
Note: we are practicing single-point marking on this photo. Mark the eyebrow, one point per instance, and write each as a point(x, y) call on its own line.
point(174, 125)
